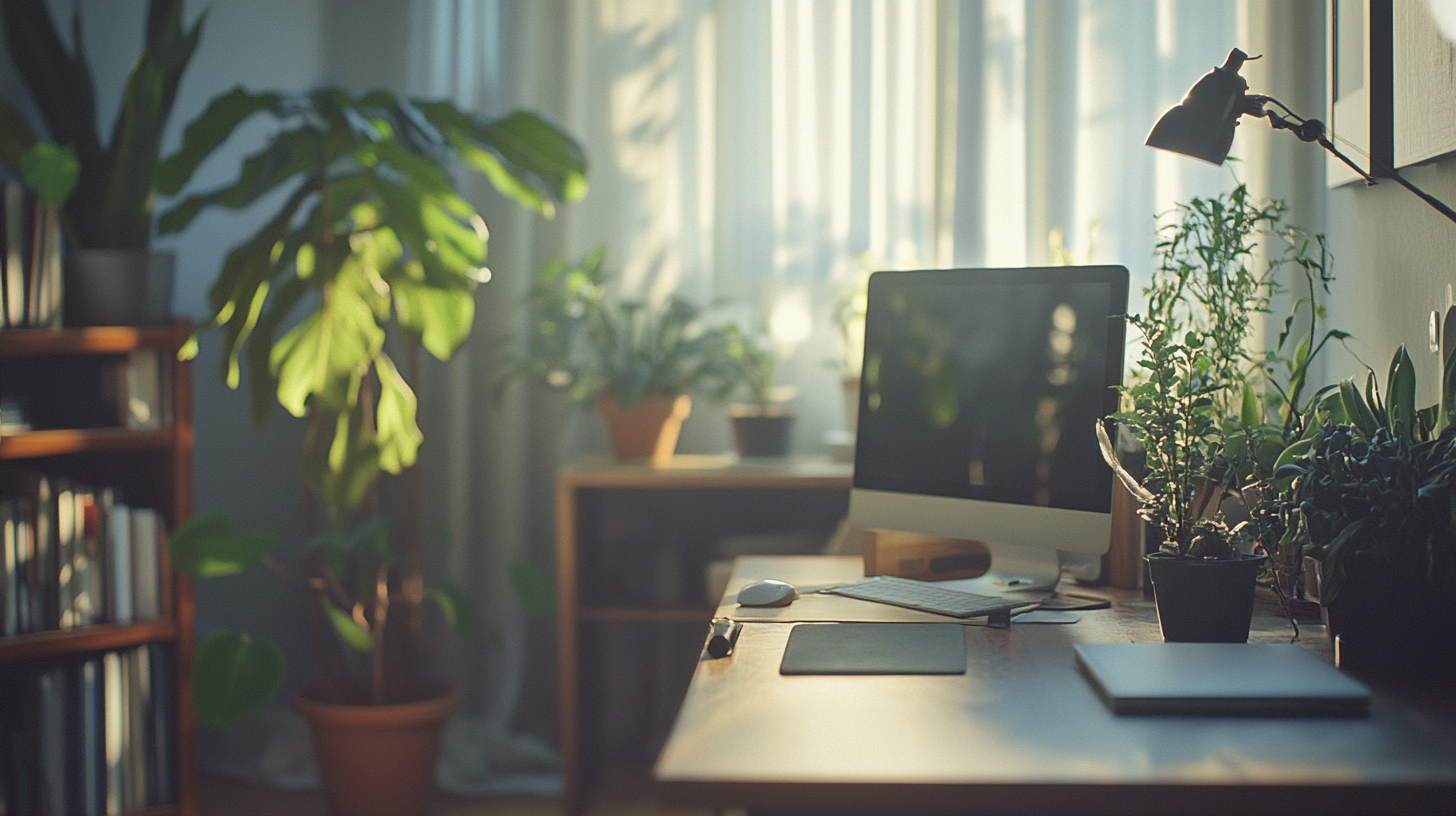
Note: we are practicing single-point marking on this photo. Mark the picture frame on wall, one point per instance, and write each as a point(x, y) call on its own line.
point(1423, 54)
point(1359, 111)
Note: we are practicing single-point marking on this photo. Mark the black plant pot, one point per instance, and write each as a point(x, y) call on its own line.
point(1386, 628)
point(763, 434)
point(1204, 601)
point(118, 287)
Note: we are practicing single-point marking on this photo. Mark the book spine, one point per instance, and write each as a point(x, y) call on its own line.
point(10, 512)
point(90, 600)
point(114, 684)
point(53, 747)
point(145, 529)
point(66, 579)
point(118, 524)
point(164, 707)
point(44, 565)
point(14, 250)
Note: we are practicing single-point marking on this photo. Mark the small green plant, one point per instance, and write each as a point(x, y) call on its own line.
point(585, 342)
point(1375, 482)
point(1195, 366)
point(749, 365)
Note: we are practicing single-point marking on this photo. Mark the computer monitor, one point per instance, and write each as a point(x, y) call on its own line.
point(978, 402)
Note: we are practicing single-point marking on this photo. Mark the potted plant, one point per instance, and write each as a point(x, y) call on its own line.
point(762, 426)
point(372, 251)
point(1194, 367)
point(636, 361)
point(111, 276)
point(1375, 485)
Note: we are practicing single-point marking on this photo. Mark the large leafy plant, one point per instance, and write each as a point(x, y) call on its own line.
point(372, 250)
point(1376, 482)
point(115, 183)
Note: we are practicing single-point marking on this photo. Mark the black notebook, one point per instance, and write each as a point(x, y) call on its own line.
point(875, 648)
point(1247, 679)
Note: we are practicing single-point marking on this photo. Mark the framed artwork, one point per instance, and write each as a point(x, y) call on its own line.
point(1424, 80)
point(1358, 84)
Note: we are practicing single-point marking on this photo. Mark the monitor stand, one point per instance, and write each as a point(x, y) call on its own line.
point(1015, 571)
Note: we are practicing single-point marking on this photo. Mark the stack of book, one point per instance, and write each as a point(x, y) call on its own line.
point(77, 556)
point(90, 735)
point(30, 278)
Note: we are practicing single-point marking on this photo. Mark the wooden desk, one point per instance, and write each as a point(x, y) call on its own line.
point(1022, 733)
point(700, 497)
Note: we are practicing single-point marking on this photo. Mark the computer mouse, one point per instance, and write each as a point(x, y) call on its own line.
point(767, 592)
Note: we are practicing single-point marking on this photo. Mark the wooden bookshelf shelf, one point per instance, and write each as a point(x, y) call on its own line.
point(149, 469)
point(86, 639)
point(91, 340)
point(32, 444)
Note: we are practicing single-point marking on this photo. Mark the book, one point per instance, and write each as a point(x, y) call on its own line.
point(145, 554)
point(118, 548)
point(67, 576)
point(11, 518)
point(114, 728)
point(14, 271)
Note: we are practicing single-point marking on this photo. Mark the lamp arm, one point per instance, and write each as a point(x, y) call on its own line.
point(1313, 130)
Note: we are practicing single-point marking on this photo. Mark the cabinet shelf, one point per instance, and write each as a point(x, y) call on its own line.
point(33, 444)
point(86, 639)
point(91, 340)
point(151, 468)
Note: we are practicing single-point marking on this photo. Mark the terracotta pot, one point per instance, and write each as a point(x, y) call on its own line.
point(376, 760)
point(1204, 601)
point(648, 432)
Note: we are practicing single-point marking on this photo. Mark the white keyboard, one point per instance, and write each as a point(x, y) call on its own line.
point(926, 597)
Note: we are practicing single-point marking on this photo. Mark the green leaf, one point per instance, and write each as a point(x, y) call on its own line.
point(533, 587)
point(1249, 413)
point(1400, 388)
point(51, 171)
point(455, 605)
point(1355, 408)
point(233, 675)
point(208, 547)
point(396, 433)
point(206, 133)
point(441, 317)
point(356, 636)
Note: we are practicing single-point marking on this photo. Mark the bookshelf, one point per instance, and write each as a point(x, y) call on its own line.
point(151, 468)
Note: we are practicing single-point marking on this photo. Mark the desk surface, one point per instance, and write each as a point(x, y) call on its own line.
point(1022, 732)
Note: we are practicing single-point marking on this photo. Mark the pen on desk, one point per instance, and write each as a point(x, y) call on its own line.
point(724, 635)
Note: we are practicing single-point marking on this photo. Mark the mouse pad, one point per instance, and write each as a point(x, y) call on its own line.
point(875, 648)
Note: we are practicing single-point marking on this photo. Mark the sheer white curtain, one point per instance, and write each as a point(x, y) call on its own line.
point(770, 152)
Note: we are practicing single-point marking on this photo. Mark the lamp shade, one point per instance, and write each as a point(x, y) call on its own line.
point(1202, 125)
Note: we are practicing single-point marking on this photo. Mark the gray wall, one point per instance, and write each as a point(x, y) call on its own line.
point(1395, 258)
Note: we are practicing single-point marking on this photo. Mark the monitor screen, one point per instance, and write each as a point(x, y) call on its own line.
point(978, 401)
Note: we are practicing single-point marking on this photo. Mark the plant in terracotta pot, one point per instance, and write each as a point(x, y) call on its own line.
point(762, 425)
point(1201, 303)
point(1376, 490)
point(637, 362)
point(111, 275)
point(372, 253)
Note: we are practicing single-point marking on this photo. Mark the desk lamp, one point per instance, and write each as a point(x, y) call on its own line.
point(1202, 126)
